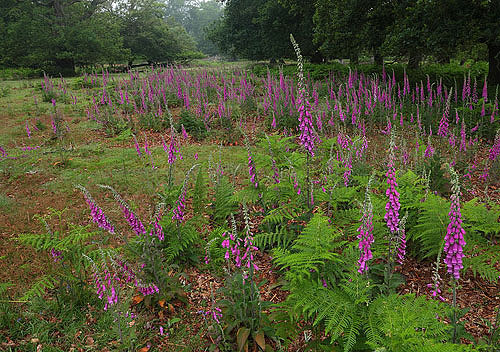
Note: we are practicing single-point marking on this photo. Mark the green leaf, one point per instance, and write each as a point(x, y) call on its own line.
point(242, 338)
point(260, 340)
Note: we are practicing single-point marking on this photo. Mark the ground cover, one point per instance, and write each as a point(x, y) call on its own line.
point(212, 209)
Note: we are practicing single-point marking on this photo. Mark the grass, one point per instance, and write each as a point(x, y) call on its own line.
point(7, 205)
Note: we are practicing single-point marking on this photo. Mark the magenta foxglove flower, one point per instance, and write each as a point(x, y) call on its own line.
point(307, 135)
point(96, 212)
point(454, 239)
point(180, 206)
point(401, 250)
point(392, 207)
point(251, 170)
point(137, 147)
point(494, 151)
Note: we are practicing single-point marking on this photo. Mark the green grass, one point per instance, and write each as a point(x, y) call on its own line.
point(7, 205)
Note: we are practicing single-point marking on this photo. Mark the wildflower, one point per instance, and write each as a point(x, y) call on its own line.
point(401, 251)
point(136, 144)
point(180, 206)
point(129, 215)
point(184, 133)
point(157, 229)
point(392, 206)
point(56, 255)
point(454, 239)
point(28, 130)
point(494, 151)
point(366, 231)
point(307, 135)
point(96, 212)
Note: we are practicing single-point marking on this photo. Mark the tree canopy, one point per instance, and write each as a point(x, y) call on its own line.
point(403, 29)
point(66, 33)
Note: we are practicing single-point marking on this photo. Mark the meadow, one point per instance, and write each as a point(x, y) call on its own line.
point(215, 209)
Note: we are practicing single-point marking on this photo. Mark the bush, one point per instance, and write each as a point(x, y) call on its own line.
point(193, 125)
point(19, 73)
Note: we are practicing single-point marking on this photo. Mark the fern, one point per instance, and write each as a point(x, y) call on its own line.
point(178, 240)
point(281, 237)
point(316, 245)
point(342, 311)
point(431, 227)
point(224, 203)
point(4, 287)
point(280, 215)
point(38, 289)
point(409, 323)
point(479, 219)
point(481, 258)
point(37, 241)
point(199, 192)
point(68, 247)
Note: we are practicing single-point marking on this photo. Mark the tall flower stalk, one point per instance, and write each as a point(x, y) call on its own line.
point(307, 136)
point(366, 231)
point(454, 243)
point(96, 212)
point(134, 222)
point(392, 215)
point(454, 240)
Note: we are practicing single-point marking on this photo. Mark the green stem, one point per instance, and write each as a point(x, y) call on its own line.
point(454, 318)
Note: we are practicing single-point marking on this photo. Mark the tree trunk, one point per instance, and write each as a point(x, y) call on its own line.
point(317, 57)
point(353, 59)
point(494, 63)
point(66, 66)
point(378, 59)
point(414, 60)
point(443, 59)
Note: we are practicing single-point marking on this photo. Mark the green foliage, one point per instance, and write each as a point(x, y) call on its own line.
point(193, 125)
point(431, 226)
point(153, 122)
point(342, 311)
point(260, 30)
point(479, 223)
point(19, 73)
point(67, 246)
point(317, 245)
point(243, 309)
point(409, 323)
point(281, 237)
point(480, 219)
point(40, 287)
point(224, 202)
point(199, 193)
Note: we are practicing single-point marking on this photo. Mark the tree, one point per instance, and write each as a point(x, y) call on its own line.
point(197, 22)
point(151, 37)
point(56, 35)
point(258, 29)
point(346, 28)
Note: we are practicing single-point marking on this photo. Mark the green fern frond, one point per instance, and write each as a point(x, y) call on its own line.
point(479, 219)
point(431, 227)
point(280, 215)
point(483, 264)
point(224, 203)
point(38, 288)
point(281, 238)
point(314, 247)
point(41, 242)
point(199, 192)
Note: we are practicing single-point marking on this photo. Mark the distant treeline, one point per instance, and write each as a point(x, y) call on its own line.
point(57, 36)
point(409, 30)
